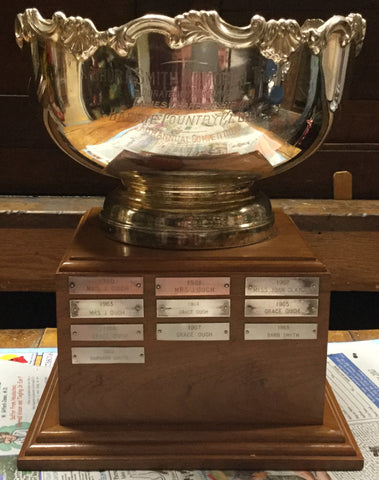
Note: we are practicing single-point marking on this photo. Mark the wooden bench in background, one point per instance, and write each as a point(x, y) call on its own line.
point(35, 231)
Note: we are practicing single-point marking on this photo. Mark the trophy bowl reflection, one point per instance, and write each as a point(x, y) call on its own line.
point(189, 112)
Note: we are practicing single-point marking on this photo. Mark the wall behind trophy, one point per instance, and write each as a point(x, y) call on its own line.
point(31, 164)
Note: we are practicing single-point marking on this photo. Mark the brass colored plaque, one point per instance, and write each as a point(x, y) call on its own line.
point(106, 285)
point(287, 307)
point(214, 307)
point(106, 308)
point(281, 331)
point(106, 332)
point(95, 355)
point(192, 286)
point(282, 286)
point(193, 331)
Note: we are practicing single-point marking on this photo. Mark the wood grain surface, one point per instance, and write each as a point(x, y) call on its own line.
point(25, 338)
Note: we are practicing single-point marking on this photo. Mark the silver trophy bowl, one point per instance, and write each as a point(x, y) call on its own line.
point(189, 113)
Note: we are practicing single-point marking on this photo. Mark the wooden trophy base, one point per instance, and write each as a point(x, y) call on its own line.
point(190, 360)
point(51, 446)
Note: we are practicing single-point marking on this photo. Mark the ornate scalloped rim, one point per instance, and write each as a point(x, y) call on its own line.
point(276, 39)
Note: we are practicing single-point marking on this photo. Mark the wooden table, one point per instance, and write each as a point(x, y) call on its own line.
point(29, 338)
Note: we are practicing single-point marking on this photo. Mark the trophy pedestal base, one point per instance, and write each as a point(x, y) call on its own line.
point(190, 360)
point(223, 212)
point(52, 446)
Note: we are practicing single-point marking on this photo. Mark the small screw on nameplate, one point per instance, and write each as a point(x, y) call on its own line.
point(72, 285)
point(74, 309)
point(138, 285)
point(74, 332)
point(137, 307)
point(158, 286)
point(163, 308)
point(226, 285)
point(307, 283)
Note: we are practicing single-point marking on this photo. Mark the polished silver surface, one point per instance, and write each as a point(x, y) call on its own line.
point(219, 307)
point(289, 307)
point(282, 286)
point(105, 285)
point(199, 332)
point(192, 286)
point(281, 331)
point(106, 332)
point(189, 112)
point(106, 308)
point(96, 355)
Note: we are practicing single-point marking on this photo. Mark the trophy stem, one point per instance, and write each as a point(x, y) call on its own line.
point(187, 212)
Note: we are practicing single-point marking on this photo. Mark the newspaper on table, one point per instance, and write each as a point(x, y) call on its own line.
point(32, 356)
point(21, 386)
point(352, 371)
point(353, 374)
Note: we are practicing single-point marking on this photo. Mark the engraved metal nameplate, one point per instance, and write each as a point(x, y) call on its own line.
point(104, 285)
point(193, 331)
point(282, 286)
point(192, 286)
point(106, 332)
point(280, 331)
point(107, 355)
point(193, 308)
point(288, 307)
point(106, 308)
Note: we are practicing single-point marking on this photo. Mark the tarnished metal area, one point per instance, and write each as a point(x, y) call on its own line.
point(192, 286)
point(189, 112)
point(282, 286)
point(107, 308)
point(106, 285)
point(281, 331)
point(194, 308)
point(198, 332)
point(289, 307)
point(97, 355)
point(106, 332)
